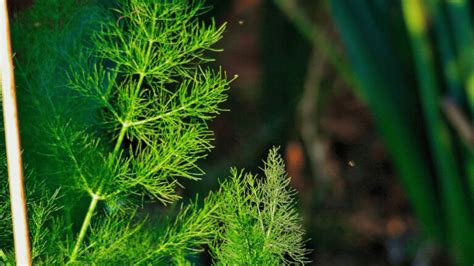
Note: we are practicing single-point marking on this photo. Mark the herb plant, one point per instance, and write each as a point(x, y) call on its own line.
point(115, 103)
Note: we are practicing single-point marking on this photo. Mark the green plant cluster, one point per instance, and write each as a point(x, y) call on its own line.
point(115, 100)
point(256, 215)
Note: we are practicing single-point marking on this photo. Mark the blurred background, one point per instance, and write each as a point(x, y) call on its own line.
point(371, 103)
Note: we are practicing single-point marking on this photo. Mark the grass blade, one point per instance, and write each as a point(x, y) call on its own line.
point(454, 204)
point(400, 139)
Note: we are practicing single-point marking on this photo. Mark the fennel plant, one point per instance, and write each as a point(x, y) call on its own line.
point(115, 101)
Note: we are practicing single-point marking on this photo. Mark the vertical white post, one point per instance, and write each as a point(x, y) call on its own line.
point(12, 139)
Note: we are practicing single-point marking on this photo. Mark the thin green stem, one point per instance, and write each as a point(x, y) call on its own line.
point(154, 252)
point(158, 117)
point(93, 204)
point(121, 137)
point(85, 226)
point(96, 196)
point(126, 124)
point(3, 256)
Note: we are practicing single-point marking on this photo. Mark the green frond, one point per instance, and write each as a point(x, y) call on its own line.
point(5, 214)
point(45, 229)
point(158, 127)
point(261, 225)
point(122, 237)
point(187, 233)
point(115, 238)
point(161, 40)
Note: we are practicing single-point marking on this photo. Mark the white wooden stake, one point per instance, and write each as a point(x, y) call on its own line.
point(12, 139)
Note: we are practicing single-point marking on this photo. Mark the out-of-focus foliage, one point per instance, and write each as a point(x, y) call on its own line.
point(412, 62)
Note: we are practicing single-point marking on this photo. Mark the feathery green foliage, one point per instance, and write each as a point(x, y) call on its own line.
point(5, 215)
point(260, 223)
point(150, 97)
point(122, 237)
point(115, 102)
point(44, 226)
